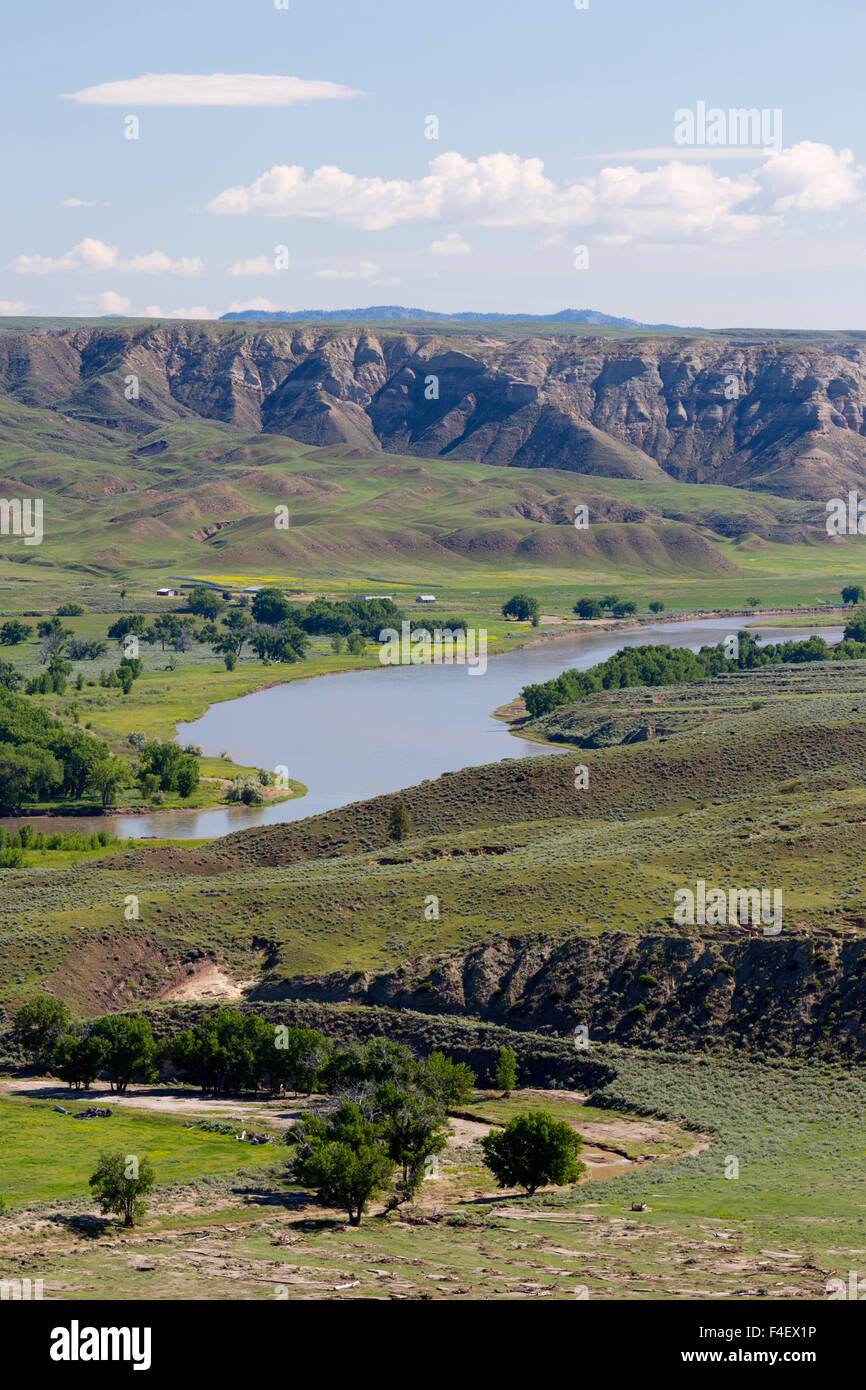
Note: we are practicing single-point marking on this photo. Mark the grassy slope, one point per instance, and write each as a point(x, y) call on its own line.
point(115, 516)
point(117, 519)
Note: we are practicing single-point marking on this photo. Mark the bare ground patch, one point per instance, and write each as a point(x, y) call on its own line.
point(104, 976)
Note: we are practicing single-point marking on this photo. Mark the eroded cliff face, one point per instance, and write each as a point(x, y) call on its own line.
point(790, 419)
point(784, 993)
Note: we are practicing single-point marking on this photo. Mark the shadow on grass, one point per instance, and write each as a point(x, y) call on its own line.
point(318, 1225)
point(261, 1196)
point(86, 1224)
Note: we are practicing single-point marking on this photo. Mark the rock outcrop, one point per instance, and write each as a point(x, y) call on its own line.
point(790, 418)
point(783, 993)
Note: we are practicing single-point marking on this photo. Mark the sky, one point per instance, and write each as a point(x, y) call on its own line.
point(521, 156)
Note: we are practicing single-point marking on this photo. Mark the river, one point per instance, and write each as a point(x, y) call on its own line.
point(363, 733)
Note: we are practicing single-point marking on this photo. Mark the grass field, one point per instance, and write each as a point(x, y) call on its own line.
point(48, 1157)
point(197, 499)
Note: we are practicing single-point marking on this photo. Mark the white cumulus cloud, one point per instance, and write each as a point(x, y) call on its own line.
point(109, 302)
point(12, 308)
point(214, 89)
point(198, 311)
point(674, 202)
point(238, 306)
point(451, 245)
point(91, 255)
point(254, 265)
point(810, 177)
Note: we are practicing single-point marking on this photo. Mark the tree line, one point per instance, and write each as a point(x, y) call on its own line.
point(381, 1132)
point(666, 665)
point(41, 759)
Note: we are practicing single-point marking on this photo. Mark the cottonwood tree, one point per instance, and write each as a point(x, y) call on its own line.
point(283, 642)
point(14, 632)
point(239, 629)
point(78, 1059)
point(38, 1024)
point(204, 603)
point(10, 676)
point(341, 1155)
point(588, 608)
point(166, 628)
point(121, 1183)
point(533, 1150)
point(506, 1070)
point(131, 623)
point(448, 1082)
point(522, 606)
point(271, 606)
point(413, 1129)
point(108, 776)
point(129, 1051)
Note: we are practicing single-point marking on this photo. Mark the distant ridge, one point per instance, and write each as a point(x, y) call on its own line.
point(381, 312)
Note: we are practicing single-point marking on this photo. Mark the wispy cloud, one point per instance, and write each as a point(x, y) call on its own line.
point(238, 306)
point(367, 270)
point(83, 203)
point(215, 89)
point(697, 154)
point(91, 255)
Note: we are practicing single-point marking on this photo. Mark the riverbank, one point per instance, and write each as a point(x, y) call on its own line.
point(770, 617)
point(270, 796)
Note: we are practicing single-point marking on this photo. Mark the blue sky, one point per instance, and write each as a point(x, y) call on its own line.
point(186, 218)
